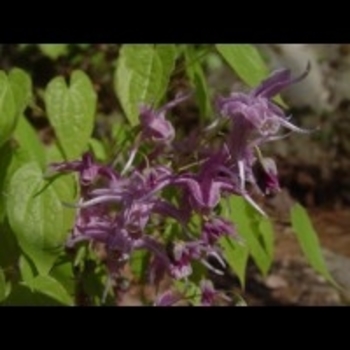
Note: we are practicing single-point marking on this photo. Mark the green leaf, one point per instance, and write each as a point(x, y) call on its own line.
point(2, 285)
point(247, 62)
point(167, 54)
point(195, 73)
point(83, 46)
point(8, 109)
point(66, 189)
point(63, 273)
point(28, 139)
point(52, 288)
point(36, 215)
point(11, 158)
point(22, 296)
point(308, 241)
point(71, 112)
point(80, 257)
point(21, 86)
point(53, 51)
point(248, 224)
point(54, 154)
point(122, 137)
point(94, 282)
point(6, 157)
point(189, 291)
point(142, 75)
point(236, 254)
point(15, 94)
point(9, 252)
point(98, 149)
point(26, 269)
point(214, 61)
point(138, 263)
point(267, 234)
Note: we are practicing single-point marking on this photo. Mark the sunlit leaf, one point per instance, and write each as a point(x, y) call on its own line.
point(37, 216)
point(54, 50)
point(97, 149)
point(8, 109)
point(26, 269)
point(308, 241)
point(236, 254)
point(139, 263)
point(71, 111)
point(15, 94)
point(197, 77)
point(248, 222)
point(247, 62)
point(141, 76)
point(28, 139)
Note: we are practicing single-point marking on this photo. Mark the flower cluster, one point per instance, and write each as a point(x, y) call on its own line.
point(128, 210)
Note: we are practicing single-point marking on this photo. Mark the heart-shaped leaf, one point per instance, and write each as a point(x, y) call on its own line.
point(71, 112)
point(36, 214)
point(142, 75)
point(15, 93)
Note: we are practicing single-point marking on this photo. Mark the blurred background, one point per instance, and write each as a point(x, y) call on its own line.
point(314, 170)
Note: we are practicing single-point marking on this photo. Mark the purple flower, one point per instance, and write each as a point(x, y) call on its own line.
point(255, 111)
point(153, 123)
point(87, 169)
point(139, 188)
point(204, 189)
point(215, 228)
point(126, 211)
point(184, 253)
point(266, 176)
point(208, 293)
point(136, 217)
point(168, 298)
point(90, 224)
point(177, 260)
point(256, 119)
point(182, 256)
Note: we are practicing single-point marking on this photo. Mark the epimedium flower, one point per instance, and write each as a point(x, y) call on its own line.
point(256, 111)
point(184, 253)
point(88, 170)
point(154, 124)
point(90, 223)
point(209, 294)
point(266, 176)
point(256, 119)
point(216, 227)
point(204, 189)
point(167, 298)
point(122, 229)
point(176, 260)
point(127, 211)
point(140, 188)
